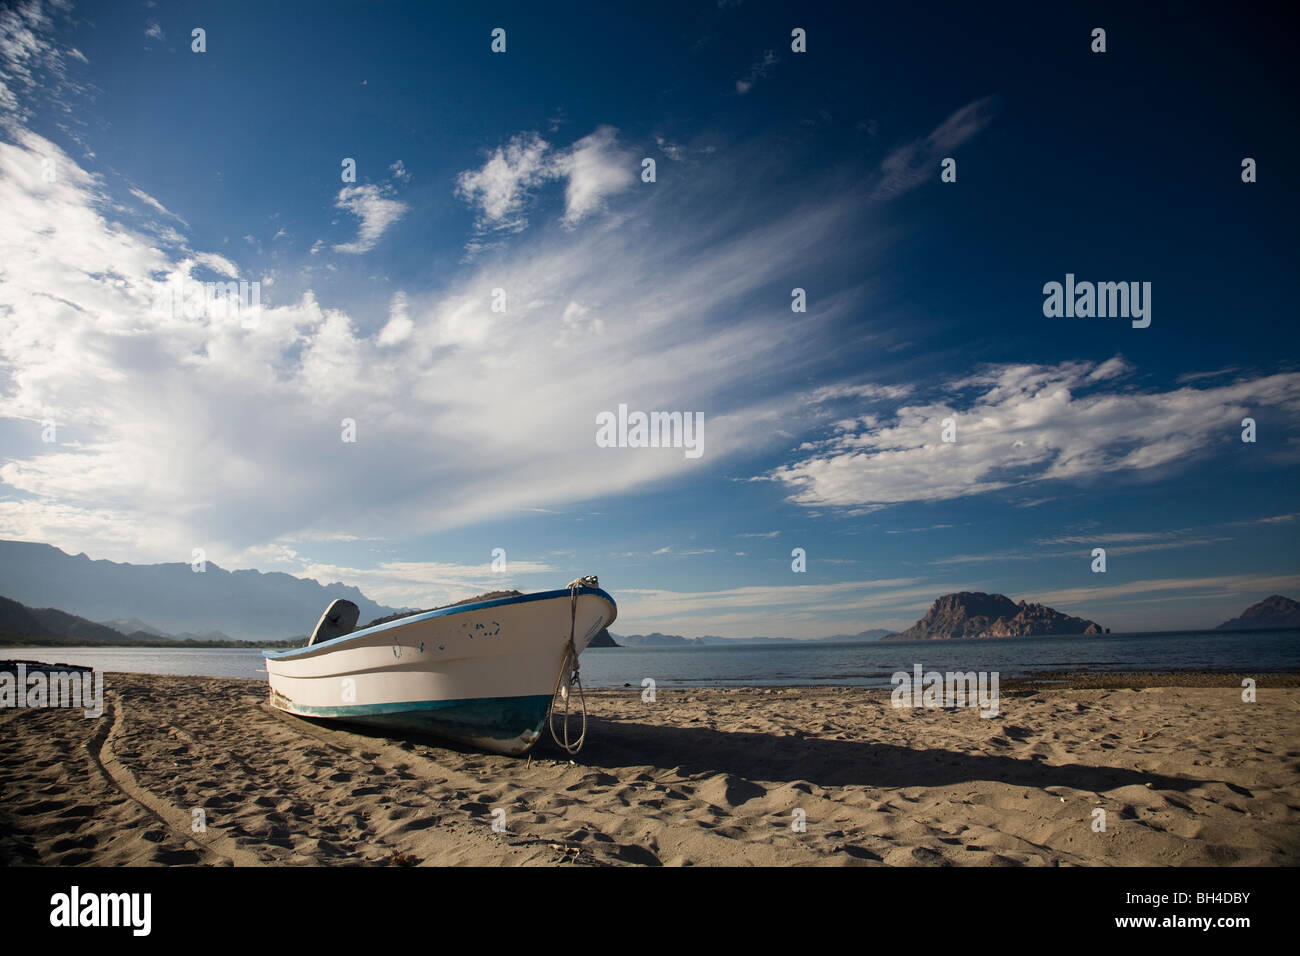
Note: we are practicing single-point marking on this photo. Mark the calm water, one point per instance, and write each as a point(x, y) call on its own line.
point(867, 665)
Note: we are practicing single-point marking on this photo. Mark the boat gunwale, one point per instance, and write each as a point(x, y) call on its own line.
point(444, 612)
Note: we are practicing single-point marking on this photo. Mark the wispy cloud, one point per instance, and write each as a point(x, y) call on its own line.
point(32, 65)
point(500, 188)
point(204, 416)
point(759, 69)
point(594, 168)
point(1018, 424)
point(375, 210)
point(918, 161)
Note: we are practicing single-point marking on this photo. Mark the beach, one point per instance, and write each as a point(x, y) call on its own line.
point(200, 771)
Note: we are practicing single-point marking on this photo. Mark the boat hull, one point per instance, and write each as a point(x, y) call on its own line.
point(480, 674)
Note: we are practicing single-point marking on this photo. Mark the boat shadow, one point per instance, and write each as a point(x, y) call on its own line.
point(619, 744)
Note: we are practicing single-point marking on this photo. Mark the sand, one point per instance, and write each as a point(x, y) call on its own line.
point(1186, 775)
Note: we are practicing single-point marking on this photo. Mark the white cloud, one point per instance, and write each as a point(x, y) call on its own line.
point(154, 204)
point(499, 188)
point(918, 161)
point(31, 65)
point(1026, 423)
point(218, 264)
point(198, 432)
point(375, 211)
point(154, 31)
point(793, 610)
point(594, 168)
point(425, 584)
point(399, 326)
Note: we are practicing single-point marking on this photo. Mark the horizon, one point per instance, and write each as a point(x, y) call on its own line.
point(807, 486)
point(1107, 632)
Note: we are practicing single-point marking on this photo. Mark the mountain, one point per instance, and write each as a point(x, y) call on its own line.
point(973, 614)
point(603, 639)
point(651, 640)
point(133, 625)
point(708, 640)
point(16, 618)
point(137, 629)
point(1274, 611)
point(864, 637)
point(249, 605)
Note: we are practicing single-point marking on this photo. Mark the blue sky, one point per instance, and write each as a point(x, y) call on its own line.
point(775, 170)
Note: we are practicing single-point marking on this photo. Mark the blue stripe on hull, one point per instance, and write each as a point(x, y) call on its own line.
point(507, 724)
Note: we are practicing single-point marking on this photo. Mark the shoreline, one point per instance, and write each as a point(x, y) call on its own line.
point(1185, 772)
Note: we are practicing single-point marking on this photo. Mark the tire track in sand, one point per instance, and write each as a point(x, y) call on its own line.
point(176, 819)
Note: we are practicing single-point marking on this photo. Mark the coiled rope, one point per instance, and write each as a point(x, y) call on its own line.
point(569, 668)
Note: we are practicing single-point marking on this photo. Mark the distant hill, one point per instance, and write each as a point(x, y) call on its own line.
point(20, 624)
point(708, 640)
point(1274, 611)
point(16, 618)
point(864, 637)
point(249, 605)
point(651, 640)
point(676, 640)
point(973, 614)
point(133, 625)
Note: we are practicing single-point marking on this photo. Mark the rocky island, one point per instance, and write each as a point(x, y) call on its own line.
point(973, 614)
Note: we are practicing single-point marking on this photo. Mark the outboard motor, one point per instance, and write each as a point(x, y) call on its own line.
point(340, 618)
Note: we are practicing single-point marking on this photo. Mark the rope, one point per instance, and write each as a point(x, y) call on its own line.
point(569, 666)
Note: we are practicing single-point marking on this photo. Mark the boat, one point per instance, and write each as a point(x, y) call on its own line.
point(484, 674)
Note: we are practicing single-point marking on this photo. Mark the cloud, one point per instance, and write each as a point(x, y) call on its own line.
point(792, 610)
point(1018, 424)
point(32, 66)
point(375, 211)
point(918, 161)
point(593, 168)
point(596, 168)
point(757, 71)
point(1205, 588)
point(399, 326)
point(427, 583)
point(154, 204)
point(154, 31)
point(500, 187)
point(178, 432)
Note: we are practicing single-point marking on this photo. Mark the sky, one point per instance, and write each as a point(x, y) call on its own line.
point(438, 337)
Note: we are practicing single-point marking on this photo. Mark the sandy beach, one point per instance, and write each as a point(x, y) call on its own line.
point(1186, 773)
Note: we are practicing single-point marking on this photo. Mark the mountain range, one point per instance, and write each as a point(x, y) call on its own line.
point(49, 593)
point(172, 598)
point(676, 640)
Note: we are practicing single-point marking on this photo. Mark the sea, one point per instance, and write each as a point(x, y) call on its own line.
point(802, 664)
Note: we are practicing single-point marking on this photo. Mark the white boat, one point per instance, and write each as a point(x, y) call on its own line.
point(482, 674)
